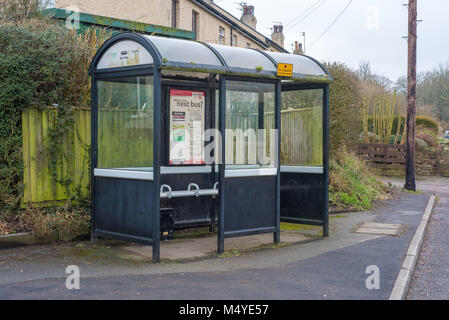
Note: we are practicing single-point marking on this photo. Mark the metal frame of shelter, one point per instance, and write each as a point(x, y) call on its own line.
point(126, 203)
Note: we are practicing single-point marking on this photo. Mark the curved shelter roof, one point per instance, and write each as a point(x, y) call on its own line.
point(131, 49)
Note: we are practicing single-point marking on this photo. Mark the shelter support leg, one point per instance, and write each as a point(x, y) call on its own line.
point(93, 238)
point(276, 237)
point(220, 244)
point(326, 230)
point(156, 252)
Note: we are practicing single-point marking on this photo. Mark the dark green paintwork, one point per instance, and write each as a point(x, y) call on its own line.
point(118, 25)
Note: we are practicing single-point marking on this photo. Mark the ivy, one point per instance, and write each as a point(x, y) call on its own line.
point(59, 155)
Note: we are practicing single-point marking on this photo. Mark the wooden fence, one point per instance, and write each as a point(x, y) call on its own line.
point(38, 183)
point(300, 127)
point(386, 159)
point(302, 137)
point(125, 138)
point(301, 145)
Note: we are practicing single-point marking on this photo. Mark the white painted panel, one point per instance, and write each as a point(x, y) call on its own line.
point(302, 169)
point(124, 174)
point(124, 54)
point(238, 173)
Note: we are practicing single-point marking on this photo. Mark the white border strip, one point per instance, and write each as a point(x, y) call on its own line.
point(402, 283)
point(302, 169)
point(180, 170)
point(148, 175)
point(124, 174)
point(239, 173)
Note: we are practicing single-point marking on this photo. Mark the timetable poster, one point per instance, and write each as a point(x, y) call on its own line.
point(187, 127)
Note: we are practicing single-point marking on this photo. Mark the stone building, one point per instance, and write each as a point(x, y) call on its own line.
point(209, 21)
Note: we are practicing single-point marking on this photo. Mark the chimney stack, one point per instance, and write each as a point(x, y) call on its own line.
point(278, 35)
point(248, 16)
point(298, 48)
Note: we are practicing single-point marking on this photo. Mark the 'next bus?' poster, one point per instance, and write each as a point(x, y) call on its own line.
point(187, 127)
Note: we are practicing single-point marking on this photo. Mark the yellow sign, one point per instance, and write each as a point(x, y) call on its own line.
point(285, 70)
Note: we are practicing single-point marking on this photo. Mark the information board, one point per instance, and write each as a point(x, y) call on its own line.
point(187, 127)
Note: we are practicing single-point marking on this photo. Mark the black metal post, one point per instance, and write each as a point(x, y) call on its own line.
point(221, 175)
point(93, 154)
point(277, 126)
point(156, 234)
point(261, 119)
point(326, 161)
point(213, 125)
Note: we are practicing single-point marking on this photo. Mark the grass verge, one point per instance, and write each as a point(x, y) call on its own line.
point(352, 185)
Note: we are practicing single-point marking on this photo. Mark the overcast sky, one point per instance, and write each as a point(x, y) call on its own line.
point(368, 30)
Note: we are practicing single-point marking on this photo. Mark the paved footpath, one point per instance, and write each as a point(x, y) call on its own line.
point(431, 277)
point(330, 268)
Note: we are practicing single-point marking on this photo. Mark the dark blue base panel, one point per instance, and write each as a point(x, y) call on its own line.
point(302, 197)
point(250, 205)
point(190, 211)
point(123, 209)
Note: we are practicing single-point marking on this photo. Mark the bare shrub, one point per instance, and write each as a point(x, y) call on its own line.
point(45, 222)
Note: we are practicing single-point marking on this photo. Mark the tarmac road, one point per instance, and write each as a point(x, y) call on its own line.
point(331, 268)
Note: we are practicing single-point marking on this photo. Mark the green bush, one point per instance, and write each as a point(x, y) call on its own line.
point(42, 63)
point(421, 121)
point(428, 125)
point(394, 128)
point(345, 118)
point(34, 60)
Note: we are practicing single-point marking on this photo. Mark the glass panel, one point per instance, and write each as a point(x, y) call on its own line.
point(249, 108)
point(177, 50)
point(301, 64)
point(244, 58)
point(123, 54)
point(125, 123)
point(302, 128)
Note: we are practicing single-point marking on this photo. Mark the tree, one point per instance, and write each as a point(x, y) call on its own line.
point(401, 85)
point(364, 71)
point(433, 89)
point(368, 77)
point(21, 10)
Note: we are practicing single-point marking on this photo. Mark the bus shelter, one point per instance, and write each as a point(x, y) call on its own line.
point(219, 135)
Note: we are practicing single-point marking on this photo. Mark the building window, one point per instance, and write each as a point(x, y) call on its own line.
point(174, 13)
point(195, 16)
point(248, 45)
point(234, 40)
point(221, 35)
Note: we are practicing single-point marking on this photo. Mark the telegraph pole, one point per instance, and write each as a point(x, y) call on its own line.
point(410, 183)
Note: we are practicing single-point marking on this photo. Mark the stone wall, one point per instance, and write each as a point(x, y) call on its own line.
point(444, 163)
point(159, 12)
point(432, 162)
